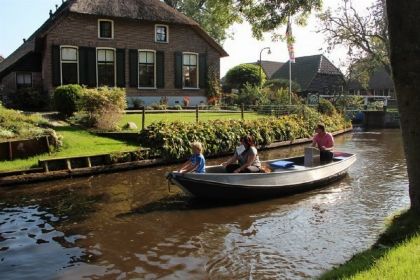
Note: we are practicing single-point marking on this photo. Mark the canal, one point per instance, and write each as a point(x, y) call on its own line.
point(128, 225)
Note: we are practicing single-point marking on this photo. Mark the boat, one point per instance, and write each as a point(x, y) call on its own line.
point(286, 177)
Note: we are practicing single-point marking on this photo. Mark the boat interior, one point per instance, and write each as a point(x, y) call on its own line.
point(282, 165)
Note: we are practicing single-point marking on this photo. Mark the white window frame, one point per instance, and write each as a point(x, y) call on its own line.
point(61, 62)
point(138, 69)
point(115, 64)
point(23, 73)
point(198, 69)
point(99, 29)
point(167, 33)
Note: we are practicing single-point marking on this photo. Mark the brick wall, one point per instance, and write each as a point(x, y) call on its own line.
point(82, 30)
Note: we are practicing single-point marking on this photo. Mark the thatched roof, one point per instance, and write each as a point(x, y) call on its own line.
point(147, 10)
point(269, 67)
point(306, 68)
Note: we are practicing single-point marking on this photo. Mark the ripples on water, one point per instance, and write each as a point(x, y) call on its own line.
point(126, 225)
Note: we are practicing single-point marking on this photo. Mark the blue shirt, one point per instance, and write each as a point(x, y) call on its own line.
point(200, 162)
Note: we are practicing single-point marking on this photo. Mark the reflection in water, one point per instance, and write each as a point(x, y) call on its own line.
point(127, 225)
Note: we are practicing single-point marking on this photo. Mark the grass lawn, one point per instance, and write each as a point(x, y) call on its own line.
point(76, 142)
point(187, 117)
point(396, 255)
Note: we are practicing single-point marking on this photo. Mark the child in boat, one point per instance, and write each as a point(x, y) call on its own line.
point(196, 163)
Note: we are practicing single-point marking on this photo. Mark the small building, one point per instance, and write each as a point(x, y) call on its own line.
point(144, 46)
point(314, 74)
point(380, 84)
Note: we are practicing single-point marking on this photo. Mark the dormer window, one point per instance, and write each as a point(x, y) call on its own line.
point(105, 29)
point(161, 34)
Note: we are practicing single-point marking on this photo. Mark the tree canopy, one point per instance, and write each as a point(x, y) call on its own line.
point(216, 16)
point(363, 33)
point(243, 74)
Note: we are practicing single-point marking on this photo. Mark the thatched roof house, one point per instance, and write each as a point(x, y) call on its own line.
point(125, 31)
point(314, 74)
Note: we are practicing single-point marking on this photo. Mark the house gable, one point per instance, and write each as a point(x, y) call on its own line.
point(312, 73)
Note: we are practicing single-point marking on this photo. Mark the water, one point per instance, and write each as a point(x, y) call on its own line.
point(127, 225)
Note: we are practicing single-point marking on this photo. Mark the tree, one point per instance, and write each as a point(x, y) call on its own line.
point(216, 16)
point(404, 22)
point(242, 74)
point(364, 35)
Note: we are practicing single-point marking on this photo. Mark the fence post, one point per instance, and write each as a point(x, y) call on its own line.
point(10, 151)
point(242, 111)
point(143, 114)
point(196, 113)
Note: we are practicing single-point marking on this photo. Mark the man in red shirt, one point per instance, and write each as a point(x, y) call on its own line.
point(324, 141)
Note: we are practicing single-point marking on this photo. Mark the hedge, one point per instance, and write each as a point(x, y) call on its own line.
point(172, 140)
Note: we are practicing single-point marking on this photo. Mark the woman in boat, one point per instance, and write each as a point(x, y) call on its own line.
point(324, 141)
point(246, 161)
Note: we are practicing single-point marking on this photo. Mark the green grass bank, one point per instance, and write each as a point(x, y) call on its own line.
point(396, 254)
point(76, 142)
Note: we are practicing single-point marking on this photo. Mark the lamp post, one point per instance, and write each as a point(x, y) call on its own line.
point(269, 52)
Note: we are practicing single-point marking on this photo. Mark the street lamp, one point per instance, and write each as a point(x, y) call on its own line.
point(269, 52)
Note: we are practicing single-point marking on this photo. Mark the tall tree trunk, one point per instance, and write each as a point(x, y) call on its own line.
point(404, 25)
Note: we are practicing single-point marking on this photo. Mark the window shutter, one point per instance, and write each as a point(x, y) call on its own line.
point(83, 65)
point(55, 66)
point(91, 67)
point(160, 69)
point(87, 66)
point(203, 70)
point(134, 70)
point(178, 70)
point(120, 67)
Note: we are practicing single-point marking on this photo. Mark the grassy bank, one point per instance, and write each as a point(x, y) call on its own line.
point(396, 255)
point(187, 117)
point(76, 142)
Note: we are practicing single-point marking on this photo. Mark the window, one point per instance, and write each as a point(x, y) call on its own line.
point(189, 69)
point(147, 69)
point(161, 34)
point(105, 29)
point(106, 67)
point(23, 80)
point(69, 65)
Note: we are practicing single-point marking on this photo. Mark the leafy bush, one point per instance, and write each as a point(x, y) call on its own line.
point(350, 102)
point(66, 99)
point(241, 74)
point(137, 103)
point(251, 95)
point(277, 84)
point(172, 139)
point(28, 99)
point(177, 107)
point(102, 108)
point(326, 107)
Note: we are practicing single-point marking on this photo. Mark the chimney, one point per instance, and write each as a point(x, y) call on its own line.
point(51, 13)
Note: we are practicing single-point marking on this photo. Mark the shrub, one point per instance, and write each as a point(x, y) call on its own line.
point(66, 99)
point(326, 107)
point(137, 103)
point(241, 74)
point(171, 139)
point(276, 84)
point(251, 95)
point(28, 99)
point(103, 107)
point(177, 107)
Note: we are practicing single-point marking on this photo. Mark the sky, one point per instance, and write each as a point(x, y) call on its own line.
point(20, 18)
